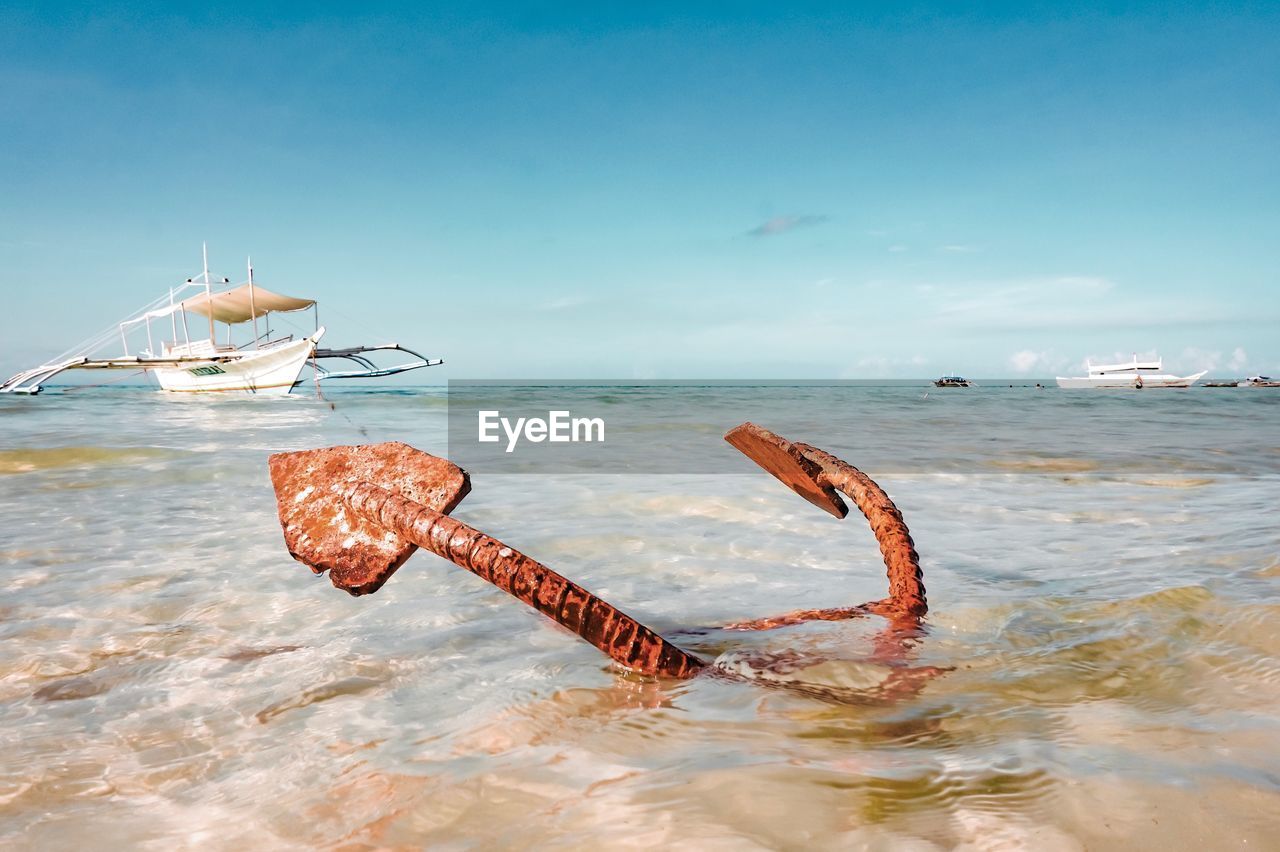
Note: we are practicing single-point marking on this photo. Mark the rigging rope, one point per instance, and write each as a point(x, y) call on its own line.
point(70, 388)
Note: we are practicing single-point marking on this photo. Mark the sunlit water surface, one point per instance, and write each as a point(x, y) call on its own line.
point(169, 677)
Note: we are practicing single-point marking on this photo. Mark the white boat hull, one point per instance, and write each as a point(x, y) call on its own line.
point(270, 372)
point(1130, 381)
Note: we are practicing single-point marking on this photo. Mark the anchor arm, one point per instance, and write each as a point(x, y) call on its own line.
point(902, 563)
point(816, 475)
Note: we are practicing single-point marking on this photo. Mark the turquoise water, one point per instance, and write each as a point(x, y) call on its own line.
point(1107, 623)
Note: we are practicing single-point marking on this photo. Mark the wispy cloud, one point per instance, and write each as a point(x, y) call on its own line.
point(1200, 359)
point(880, 366)
point(957, 248)
point(1087, 283)
point(563, 303)
point(1032, 302)
point(1028, 360)
point(783, 224)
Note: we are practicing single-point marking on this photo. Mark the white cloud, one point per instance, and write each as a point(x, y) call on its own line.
point(1239, 360)
point(1030, 361)
point(897, 247)
point(880, 366)
point(1199, 359)
point(1025, 361)
point(957, 248)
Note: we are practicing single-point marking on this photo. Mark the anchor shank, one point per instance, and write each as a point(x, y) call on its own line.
point(621, 637)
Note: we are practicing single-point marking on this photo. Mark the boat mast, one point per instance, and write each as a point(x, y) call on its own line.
point(173, 320)
point(208, 295)
point(253, 308)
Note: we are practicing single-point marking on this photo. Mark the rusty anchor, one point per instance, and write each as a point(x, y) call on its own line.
point(359, 512)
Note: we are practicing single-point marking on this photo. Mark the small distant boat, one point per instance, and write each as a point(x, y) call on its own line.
point(952, 382)
point(264, 364)
point(1136, 374)
point(1251, 382)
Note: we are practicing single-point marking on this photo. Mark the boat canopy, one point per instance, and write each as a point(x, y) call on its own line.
point(1135, 364)
point(239, 304)
point(243, 303)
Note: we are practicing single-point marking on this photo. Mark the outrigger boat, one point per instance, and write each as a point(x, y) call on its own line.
point(1136, 374)
point(264, 365)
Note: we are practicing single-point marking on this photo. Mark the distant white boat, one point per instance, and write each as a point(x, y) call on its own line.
point(1136, 374)
point(262, 365)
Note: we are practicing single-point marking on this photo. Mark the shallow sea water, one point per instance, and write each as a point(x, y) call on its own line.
point(1105, 649)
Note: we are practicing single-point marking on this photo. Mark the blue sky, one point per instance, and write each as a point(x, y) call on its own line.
point(769, 191)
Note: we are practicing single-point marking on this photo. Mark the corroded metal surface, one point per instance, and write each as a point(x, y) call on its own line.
point(781, 458)
point(799, 616)
point(816, 475)
point(337, 517)
point(617, 634)
point(902, 563)
point(319, 528)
